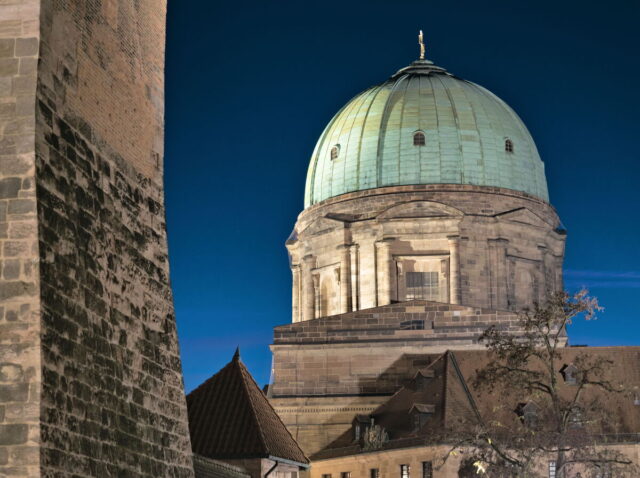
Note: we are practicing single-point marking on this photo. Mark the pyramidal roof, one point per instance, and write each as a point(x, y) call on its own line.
point(230, 417)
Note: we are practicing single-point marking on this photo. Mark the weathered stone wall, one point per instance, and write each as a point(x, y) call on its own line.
point(85, 295)
point(20, 373)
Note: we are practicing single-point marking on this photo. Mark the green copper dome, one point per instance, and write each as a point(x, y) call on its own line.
point(470, 136)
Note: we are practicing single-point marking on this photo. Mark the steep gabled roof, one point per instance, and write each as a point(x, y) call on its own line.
point(230, 418)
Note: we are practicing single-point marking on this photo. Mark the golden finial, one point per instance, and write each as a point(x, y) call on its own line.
point(421, 43)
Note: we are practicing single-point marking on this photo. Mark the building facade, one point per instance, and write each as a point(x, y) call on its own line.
point(427, 220)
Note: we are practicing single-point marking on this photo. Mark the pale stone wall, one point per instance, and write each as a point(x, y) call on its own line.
point(490, 247)
point(20, 371)
point(389, 461)
point(85, 287)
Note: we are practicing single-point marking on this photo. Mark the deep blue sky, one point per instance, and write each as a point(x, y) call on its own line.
point(251, 84)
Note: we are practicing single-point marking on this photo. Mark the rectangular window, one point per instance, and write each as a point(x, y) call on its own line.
point(423, 285)
point(374, 473)
point(404, 471)
point(328, 475)
point(427, 469)
point(345, 474)
point(552, 469)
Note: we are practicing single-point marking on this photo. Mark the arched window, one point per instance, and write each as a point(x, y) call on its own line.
point(419, 139)
point(508, 146)
point(335, 151)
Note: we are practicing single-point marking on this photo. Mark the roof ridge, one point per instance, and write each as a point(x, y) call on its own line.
point(244, 372)
point(456, 368)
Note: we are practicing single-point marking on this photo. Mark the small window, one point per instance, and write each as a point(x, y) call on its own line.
point(404, 471)
point(412, 325)
point(636, 399)
point(327, 475)
point(345, 474)
point(420, 420)
point(552, 469)
point(508, 146)
point(427, 469)
point(423, 285)
point(356, 432)
point(419, 139)
point(335, 152)
point(374, 473)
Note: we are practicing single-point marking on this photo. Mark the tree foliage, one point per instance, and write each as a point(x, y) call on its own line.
point(564, 420)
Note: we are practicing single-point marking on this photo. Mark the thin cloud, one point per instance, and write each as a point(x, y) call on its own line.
point(602, 279)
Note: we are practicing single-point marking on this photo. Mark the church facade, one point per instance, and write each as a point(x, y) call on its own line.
point(427, 220)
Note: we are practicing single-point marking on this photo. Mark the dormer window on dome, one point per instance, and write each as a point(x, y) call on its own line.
point(508, 146)
point(419, 139)
point(335, 152)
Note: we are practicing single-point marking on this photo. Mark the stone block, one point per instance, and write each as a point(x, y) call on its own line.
point(13, 434)
point(18, 392)
point(26, 47)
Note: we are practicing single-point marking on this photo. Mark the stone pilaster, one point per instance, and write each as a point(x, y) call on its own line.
point(384, 268)
point(454, 270)
point(308, 288)
point(295, 293)
point(498, 272)
point(345, 278)
point(355, 272)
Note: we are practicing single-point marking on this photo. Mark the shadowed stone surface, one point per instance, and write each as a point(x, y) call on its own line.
point(90, 374)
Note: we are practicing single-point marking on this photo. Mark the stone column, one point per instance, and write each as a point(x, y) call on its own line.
point(455, 294)
point(353, 255)
point(383, 271)
point(547, 286)
point(295, 293)
point(345, 278)
point(308, 288)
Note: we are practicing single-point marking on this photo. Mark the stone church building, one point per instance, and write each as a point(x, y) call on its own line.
point(427, 219)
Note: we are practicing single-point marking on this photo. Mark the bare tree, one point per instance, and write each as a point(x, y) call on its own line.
point(563, 418)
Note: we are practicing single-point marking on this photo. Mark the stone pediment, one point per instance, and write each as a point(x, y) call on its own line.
point(420, 209)
point(322, 225)
point(523, 216)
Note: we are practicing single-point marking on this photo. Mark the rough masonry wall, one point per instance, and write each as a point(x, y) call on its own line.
point(19, 299)
point(112, 399)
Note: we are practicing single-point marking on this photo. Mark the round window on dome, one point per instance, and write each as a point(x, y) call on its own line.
point(508, 146)
point(335, 151)
point(419, 139)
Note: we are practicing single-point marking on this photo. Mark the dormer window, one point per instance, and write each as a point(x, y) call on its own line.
point(360, 425)
point(420, 413)
point(570, 374)
point(422, 379)
point(529, 414)
point(508, 146)
point(335, 152)
point(576, 418)
point(419, 139)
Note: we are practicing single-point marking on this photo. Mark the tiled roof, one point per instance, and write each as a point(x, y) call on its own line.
point(450, 399)
point(230, 418)
point(208, 468)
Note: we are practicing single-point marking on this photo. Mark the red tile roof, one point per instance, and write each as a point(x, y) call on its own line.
point(230, 418)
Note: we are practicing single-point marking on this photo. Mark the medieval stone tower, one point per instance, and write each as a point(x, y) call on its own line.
point(90, 376)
